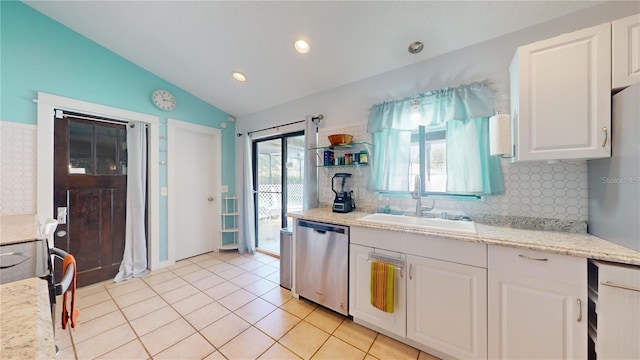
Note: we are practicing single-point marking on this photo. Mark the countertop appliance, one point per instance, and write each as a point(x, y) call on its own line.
point(322, 264)
point(614, 183)
point(343, 202)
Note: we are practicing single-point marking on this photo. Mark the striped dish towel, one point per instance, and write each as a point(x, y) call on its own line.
point(382, 286)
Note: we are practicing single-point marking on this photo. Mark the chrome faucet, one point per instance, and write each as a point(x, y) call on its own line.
point(417, 191)
point(417, 195)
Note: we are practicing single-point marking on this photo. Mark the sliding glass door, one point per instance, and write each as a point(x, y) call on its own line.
point(278, 178)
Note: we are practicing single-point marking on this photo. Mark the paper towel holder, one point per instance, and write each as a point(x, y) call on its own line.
point(500, 136)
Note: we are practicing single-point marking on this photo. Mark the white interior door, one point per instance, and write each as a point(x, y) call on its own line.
point(194, 176)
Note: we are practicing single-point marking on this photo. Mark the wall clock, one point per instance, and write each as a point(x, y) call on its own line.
point(163, 100)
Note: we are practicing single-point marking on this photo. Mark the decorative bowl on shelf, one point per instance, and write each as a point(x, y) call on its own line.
point(340, 139)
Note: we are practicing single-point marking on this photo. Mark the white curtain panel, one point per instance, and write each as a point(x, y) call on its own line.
point(134, 261)
point(247, 241)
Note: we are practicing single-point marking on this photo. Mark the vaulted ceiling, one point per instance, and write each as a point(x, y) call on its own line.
point(197, 44)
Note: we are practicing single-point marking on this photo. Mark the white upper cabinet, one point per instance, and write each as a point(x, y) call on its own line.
point(626, 51)
point(561, 97)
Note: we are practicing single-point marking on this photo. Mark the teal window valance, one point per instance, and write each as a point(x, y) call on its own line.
point(464, 112)
point(435, 107)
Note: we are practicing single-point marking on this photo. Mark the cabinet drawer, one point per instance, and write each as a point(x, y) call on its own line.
point(618, 276)
point(429, 246)
point(560, 268)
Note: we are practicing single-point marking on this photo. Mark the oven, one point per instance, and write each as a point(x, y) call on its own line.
point(34, 258)
point(23, 260)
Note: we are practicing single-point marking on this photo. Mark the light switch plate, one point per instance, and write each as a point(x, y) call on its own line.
point(225, 188)
point(164, 191)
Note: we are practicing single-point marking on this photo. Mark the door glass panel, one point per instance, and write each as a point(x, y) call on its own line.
point(294, 174)
point(80, 148)
point(269, 194)
point(97, 149)
point(106, 150)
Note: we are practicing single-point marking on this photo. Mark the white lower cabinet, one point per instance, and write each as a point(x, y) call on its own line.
point(359, 292)
point(615, 316)
point(440, 305)
point(465, 300)
point(447, 307)
point(537, 305)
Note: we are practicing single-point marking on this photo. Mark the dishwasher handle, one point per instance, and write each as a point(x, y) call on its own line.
point(322, 228)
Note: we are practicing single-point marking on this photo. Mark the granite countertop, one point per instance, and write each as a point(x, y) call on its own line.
point(580, 245)
point(27, 330)
point(18, 228)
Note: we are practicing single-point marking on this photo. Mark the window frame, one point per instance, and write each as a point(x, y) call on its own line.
point(422, 137)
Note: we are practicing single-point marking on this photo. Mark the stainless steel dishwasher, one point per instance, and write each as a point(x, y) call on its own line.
point(322, 264)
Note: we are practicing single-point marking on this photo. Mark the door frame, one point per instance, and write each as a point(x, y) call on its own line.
point(46, 106)
point(283, 176)
point(215, 158)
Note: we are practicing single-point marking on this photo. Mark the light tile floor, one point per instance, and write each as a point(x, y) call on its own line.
point(215, 306)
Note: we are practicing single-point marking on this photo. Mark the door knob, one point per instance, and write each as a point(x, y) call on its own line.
point(210, 198)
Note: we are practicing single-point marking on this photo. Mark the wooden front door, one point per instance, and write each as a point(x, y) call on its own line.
point(90, 161)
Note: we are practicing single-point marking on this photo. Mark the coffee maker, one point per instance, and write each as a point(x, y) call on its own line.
point(343, 202)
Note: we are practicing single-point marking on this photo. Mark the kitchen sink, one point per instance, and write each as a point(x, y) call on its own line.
point(463, 226)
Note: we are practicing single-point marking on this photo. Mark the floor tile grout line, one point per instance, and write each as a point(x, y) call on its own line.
point(250, 324)
point(183, 316)
point(106, 289)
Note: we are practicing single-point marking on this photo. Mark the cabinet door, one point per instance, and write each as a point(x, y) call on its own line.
point(359, 292)
point(561, 96)
point(535, 318)
point(618, 311)
point(626, 51)
point(447, 307)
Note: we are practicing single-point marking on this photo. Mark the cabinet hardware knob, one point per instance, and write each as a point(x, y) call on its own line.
point(606, 136)
point(620, 286)
point(579, 310)
point(531, 258)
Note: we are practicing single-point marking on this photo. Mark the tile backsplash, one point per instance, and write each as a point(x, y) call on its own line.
point(532, 189)
point(17, 168)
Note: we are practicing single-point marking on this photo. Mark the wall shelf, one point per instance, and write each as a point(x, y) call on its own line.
point(230, 216)
point(339, 151)
point(345, 146)
point(335, 166)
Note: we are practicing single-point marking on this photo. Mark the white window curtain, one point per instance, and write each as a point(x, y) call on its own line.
point(247, 238)
point(134, 260)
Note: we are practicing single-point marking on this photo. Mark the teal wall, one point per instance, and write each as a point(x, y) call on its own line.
point(39, 54)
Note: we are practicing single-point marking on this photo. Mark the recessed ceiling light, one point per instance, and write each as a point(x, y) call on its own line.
point(239, 76)
point(302, 46)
